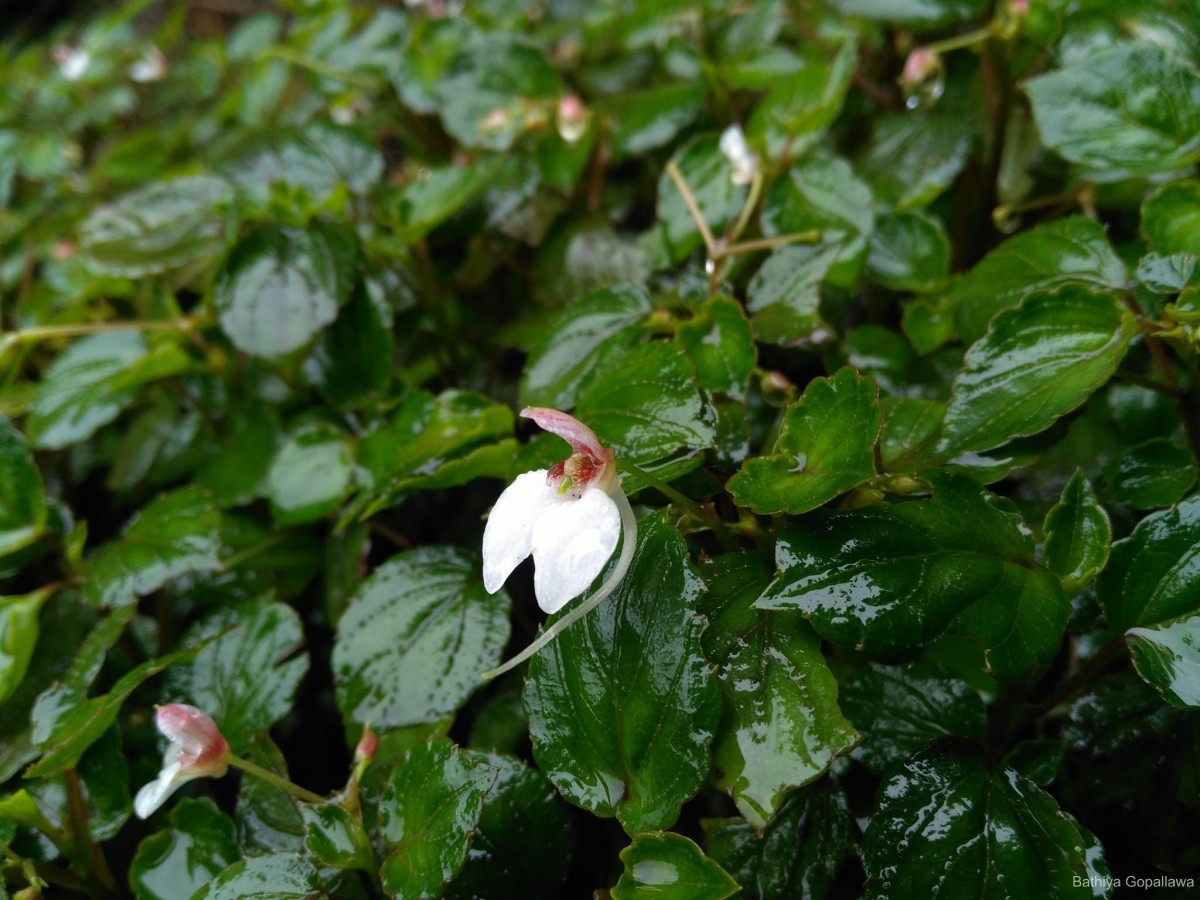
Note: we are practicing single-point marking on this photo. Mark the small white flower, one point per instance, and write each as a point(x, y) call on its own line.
point(565, 516)
point(72, 61)
point(198, 749)
point(743, 160)
point(151, 67)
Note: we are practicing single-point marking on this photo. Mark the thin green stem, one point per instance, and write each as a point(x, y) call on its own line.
point(707, 516)
point(628, 545)
point(276, 780)
point(315, 65)
point(811, 236)
point(46, 332)
point(236, 559)
point(748, 210)
point(689, 201)
point(970, 39)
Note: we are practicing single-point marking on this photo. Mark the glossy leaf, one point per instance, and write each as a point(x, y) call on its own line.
point(909, 252)
point(1167, 657)
point(799, 853)
point(1171, 218)
point(180, 860)
point(708, 175)
point(310, 475)
point(173, 535)
point(336, 837)
point(436, 195)
point(281, 287)
point(888, 579)
point(946, 824)
point(280, 876)
point(1154, 474)
point(825, 447)
point(22, 497)
point(915, 155)
point(1036, 363)
point(1078, 534)
point(577, 340)
point(18, 636)
point(427, 817)
point(918, 13)
point(1132, 107)
point(648, 119)
point(158, 228)
point(1153, 575)
point(782, 726)
point(621, 731)
point(911, 427)
point(800, 106)
point(901, 709)
point(320, 159)
point(269, 820)
point(1042, 258)
point(666, 865)
point(785, 293)
point(246, 678)
point(352, 361)
point(414, 639)
point(719, 341)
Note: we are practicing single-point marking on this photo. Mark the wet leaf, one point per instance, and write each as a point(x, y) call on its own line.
point(1167, 657)
point(1154, 474)
point(281, 876)
point(909, 252)
point(1078, 534)
point(1171, 218)
point(181, 859)
point(719, 341)
point(19, 626)
point(666, 865)
point(310, 475)
point(914, 156)
point(708, 176)
point(22, 497)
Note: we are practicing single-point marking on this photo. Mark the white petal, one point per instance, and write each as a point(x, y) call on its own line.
point(571, 543)
point(155, 794)
point(508, 537)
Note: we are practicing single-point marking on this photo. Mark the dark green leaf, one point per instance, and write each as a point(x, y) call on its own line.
point(650, 119)
point(1036, 363)
point(785, 292)
point(825, 447)
point(158, 228)
point(246, 678)
point(173, 535)
point(1037, 759)
point(352, 361)
point(915, 155)
point(413, 641)
point(178, 861)
point(1153, 575)
point(708, 175)
point(1152, 475)
point(909, 252)
point(901, 709)
point(436, 195)
point(890, 578)
point(1167, 656)
point(310, 474)
point(1078, 534)
point(719, 341)
point(269, 820)
point(669, 866)
point(910, 432)
point(280, 876)
point(1133, 107)
point(335, 837)
point(281, 286)
point(1044, 257)
point(782, 726)
point(1171, 218)
point(237, 472)
point(798, 855)
point(800, 106)
point(621, 730)
point(320, 159)
point(427, 817)
point(22, 498)
point(947, 825)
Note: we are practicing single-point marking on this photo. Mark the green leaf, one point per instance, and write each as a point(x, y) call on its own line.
point(781, 726)
point(1167, 657)
point(1133, 107)
point(436, 195)
point(669, 866)
point(785, 293)
point(433, 442)
point(1036, 363)
point(911, 427)
point(178, 861)
point(161, 227)
point(825, 447)
point(90, 384)
point(237, 472)
point(649, 119)
point(900, 709)
point(1038, 759)
point(18, 636)
point(280, 876)
point(719, 341)
point(888, 579)
point(798, 855)
point(1153, 575)
point(1153, 474)
point(413, 641)
point(173, 535)
point(1044, 257)
point(321, 159)
point(246, 678)
point(352, 361)
point(427, 817)
point(915, 155)
point(654, 709)
point(646, 405)
point(336, 837)
point(522, 847)
point(577, 339)
point(1168, 274)
point(1171, 218)
point(1078, 535)
point(946, 825)
point(22, 497)
point(269, 819)
point(909, 252)
point(915, 13)
point(708, 175)
point(825, 194)
point(281, 286)
point(311, 474)
point(800, 106)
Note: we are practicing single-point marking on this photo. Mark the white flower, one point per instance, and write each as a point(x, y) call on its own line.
point(566, 516)
point(743, 160)
point(72, 62)
point(198, 749)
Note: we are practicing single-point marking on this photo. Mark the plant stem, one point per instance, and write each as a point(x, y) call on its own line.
point(811, 236)
point(958, 42)
point(44, 332)
point(707, 516)
point(690, 202)
point(276, 780)
point(236, 559)
point(320, 68)
point(748, 210)
point(88, 848)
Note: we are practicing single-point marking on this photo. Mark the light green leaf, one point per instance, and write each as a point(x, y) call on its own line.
point(18, 636)
point(785, 293)
point(311, 474)
point(1171, 218)
point(800, 106)
point(180, 860)
point(719, 341)
point(649, 119)
point(1078, 535)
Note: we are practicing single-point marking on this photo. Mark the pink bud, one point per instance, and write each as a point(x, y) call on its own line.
point(920, 65)
point(368, 746)
point(202, 747)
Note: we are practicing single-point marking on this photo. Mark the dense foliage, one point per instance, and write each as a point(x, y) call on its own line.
point(903, 390)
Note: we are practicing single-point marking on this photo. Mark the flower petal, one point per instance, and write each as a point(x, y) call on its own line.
point(581, 438)
point(153, 795)
point(571, 543)
point(508, 537)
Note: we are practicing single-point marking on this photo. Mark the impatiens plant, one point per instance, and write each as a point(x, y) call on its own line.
point(868, 567)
